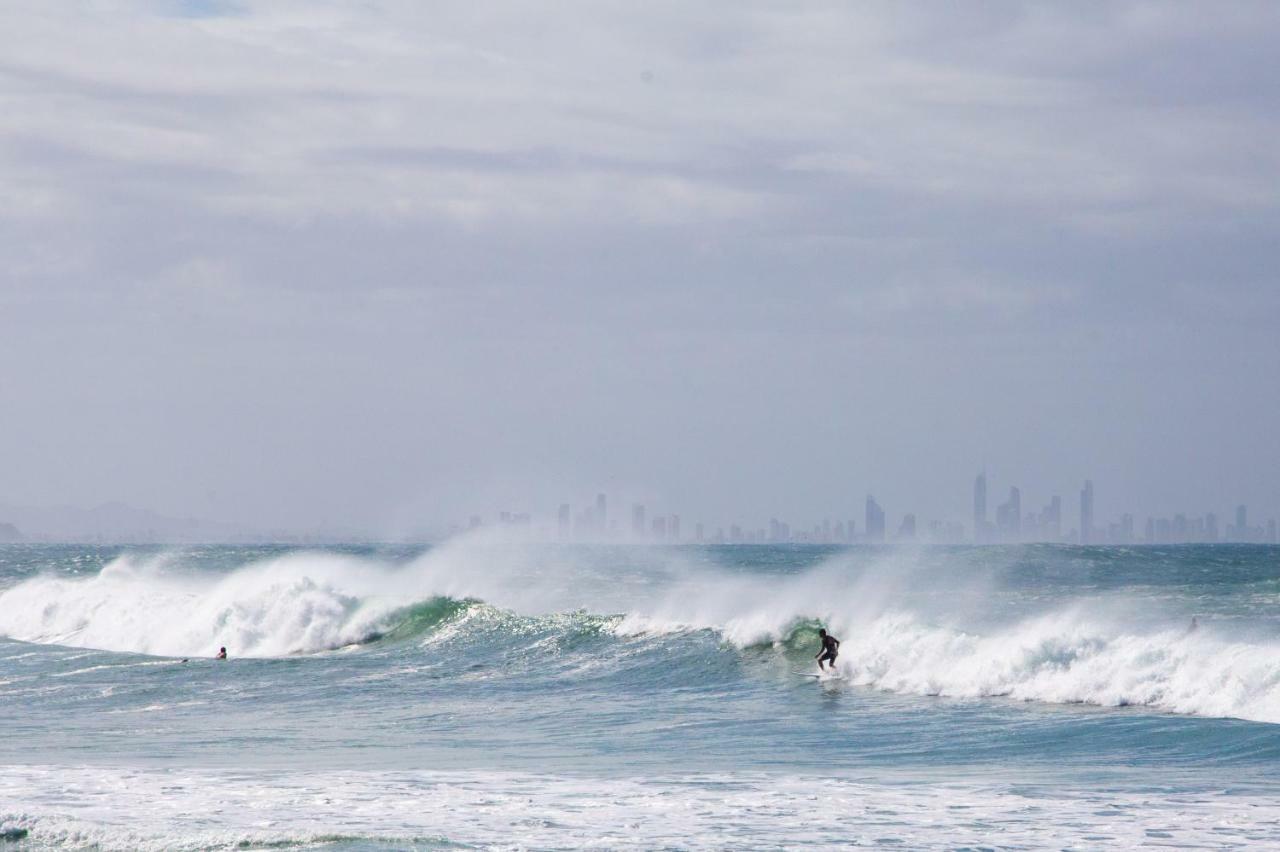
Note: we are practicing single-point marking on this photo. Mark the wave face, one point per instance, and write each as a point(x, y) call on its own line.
point(1054, 625)
point(292, 605)
point(1068, 656)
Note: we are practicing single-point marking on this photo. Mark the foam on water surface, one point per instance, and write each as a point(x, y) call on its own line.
point(132, 809)
point(498, 695)
point(1114, 650)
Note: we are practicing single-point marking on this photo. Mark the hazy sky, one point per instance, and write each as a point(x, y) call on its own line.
point(380, 263)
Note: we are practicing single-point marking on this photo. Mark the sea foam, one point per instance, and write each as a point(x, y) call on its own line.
point(941, 641)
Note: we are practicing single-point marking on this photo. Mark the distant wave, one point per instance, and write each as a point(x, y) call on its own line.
point(300, 603)
point(893, 639)
point(283, 607)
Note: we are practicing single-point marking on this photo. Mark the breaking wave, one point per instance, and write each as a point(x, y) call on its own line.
point(897, 635)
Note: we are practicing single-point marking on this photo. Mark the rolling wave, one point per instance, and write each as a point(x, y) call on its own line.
point(1063, 651)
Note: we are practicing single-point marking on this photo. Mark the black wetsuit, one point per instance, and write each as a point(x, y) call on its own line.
point(830, 650)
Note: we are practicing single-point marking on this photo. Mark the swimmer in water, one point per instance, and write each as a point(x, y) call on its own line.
point(222, 654)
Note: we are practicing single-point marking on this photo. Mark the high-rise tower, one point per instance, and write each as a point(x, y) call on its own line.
point(980, 507)
point(875, 520)
point(1086, 512)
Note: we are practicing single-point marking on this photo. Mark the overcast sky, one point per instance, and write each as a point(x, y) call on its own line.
point(387, 264)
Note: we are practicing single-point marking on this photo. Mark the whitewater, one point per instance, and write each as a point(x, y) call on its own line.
point(503, 694)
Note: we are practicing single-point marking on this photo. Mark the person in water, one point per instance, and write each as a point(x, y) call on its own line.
point(222, 654)
point(830, 650)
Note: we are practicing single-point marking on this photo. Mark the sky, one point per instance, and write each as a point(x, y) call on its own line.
point(381, 265)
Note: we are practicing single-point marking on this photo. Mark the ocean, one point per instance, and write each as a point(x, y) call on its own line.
point(493, 694)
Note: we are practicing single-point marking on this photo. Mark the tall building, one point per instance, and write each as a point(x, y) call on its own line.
point(907, 532)
point(602, 516)
point(1051, 520)
point(1086, 512)
point(564, 521)
point(1009, 516)
point(874, 520)
point(637, 521)
point(673, 527)
point(980, 507)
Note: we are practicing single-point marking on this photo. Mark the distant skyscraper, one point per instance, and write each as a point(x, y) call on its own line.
point(673, 527)
point(565, 521)
point(1086, 512)
point(874, 520)
point(637, 521)
point(584, 523)
point(1051, 520)
point(980, 507)
point(602, 514)
point(907, 532)
point(1242, 523)
point(1009, 516)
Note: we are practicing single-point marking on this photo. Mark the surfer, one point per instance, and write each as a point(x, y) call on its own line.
point(222, 654)
point(830, 650)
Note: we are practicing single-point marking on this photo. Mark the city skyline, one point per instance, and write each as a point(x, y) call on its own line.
point(592, 521)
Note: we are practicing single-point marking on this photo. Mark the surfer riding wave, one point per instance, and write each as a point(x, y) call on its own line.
point(830, 650)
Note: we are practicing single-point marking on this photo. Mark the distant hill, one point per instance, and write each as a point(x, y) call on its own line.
point(9, 533)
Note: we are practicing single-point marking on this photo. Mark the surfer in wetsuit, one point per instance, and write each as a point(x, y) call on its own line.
point(830, 650)
point(222, 654)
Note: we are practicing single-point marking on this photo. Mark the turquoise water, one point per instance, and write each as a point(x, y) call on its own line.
point(492, 694)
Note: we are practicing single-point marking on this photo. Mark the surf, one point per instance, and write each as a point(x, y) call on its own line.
point(909, 623)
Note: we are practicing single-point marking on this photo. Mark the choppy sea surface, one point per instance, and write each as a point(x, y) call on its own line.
point(491, 694)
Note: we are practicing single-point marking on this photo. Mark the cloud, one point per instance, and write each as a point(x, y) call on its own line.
point(635, 210)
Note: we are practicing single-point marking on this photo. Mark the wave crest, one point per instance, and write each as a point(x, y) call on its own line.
point(898, 634)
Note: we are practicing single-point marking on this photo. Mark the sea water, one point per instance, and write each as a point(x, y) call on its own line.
point(486, 693)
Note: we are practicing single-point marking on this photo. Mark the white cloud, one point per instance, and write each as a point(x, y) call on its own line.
point(687, 202)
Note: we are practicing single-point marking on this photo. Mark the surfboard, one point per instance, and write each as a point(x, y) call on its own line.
point(823, 676)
